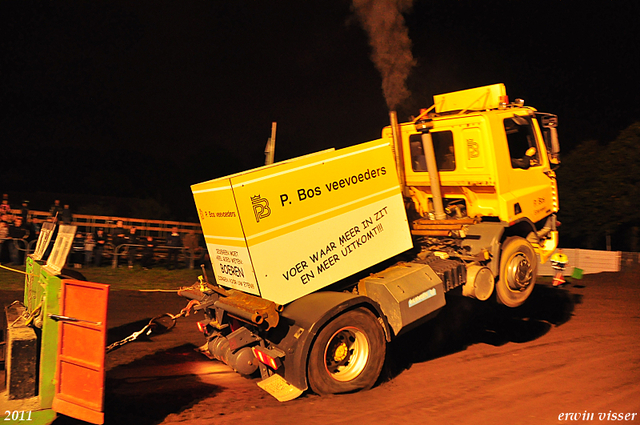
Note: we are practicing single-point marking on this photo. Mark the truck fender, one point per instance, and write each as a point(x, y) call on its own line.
point(487, 236)
point(492, 235)
point(305, 317)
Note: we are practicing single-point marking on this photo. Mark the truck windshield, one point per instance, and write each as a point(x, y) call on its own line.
point(521, 138)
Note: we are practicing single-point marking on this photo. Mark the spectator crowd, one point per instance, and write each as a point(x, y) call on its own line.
point(19, 230)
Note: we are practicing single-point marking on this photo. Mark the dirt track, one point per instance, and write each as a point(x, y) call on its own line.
point(571, 350)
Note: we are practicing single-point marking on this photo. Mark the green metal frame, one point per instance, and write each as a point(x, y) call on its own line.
point(42, 290)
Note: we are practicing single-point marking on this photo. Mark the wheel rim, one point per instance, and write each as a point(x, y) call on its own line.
point(346, 354)
point(519, 272)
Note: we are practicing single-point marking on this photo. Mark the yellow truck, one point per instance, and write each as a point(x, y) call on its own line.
point(320, 261)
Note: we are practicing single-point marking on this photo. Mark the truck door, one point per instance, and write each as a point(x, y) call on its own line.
point(529, 182)
point(80, 371)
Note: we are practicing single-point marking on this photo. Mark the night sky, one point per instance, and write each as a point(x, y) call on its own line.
point(144, 98)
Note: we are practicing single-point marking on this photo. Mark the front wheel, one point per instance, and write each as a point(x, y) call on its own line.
point(347, 354)
point(518, 268)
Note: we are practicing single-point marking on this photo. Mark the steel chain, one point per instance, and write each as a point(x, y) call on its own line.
point(146, 329)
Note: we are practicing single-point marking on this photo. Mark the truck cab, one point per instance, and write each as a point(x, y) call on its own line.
point(482, 161)
point(493, 165)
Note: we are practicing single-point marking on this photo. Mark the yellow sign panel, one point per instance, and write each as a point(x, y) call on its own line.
point(479, 98)
point(307, 223)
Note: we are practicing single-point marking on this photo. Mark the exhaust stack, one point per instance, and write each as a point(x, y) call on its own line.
point(424, 126)
point(397, 148)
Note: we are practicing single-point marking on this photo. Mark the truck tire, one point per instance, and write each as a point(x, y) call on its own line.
point(347, 354)
point(518, 269)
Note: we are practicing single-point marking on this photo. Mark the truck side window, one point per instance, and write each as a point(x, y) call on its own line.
point(442, 146)
point(521, 139)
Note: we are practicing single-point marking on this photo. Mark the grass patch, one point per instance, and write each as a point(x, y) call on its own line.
point(119, 279)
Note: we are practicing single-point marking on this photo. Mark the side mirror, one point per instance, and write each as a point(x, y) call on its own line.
point(549, 127)
point(554, 154)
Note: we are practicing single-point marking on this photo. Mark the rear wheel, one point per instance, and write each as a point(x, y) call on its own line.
point(518, 268)
point(347, 354)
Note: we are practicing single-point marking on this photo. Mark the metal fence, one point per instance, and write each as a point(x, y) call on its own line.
point(21, 246)
point(90, 223)
point(160, 253)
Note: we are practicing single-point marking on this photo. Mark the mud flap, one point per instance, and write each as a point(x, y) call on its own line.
point(278, 387)
point(80, 363)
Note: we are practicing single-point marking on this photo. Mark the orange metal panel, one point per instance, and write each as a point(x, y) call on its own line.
point(82, 337)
